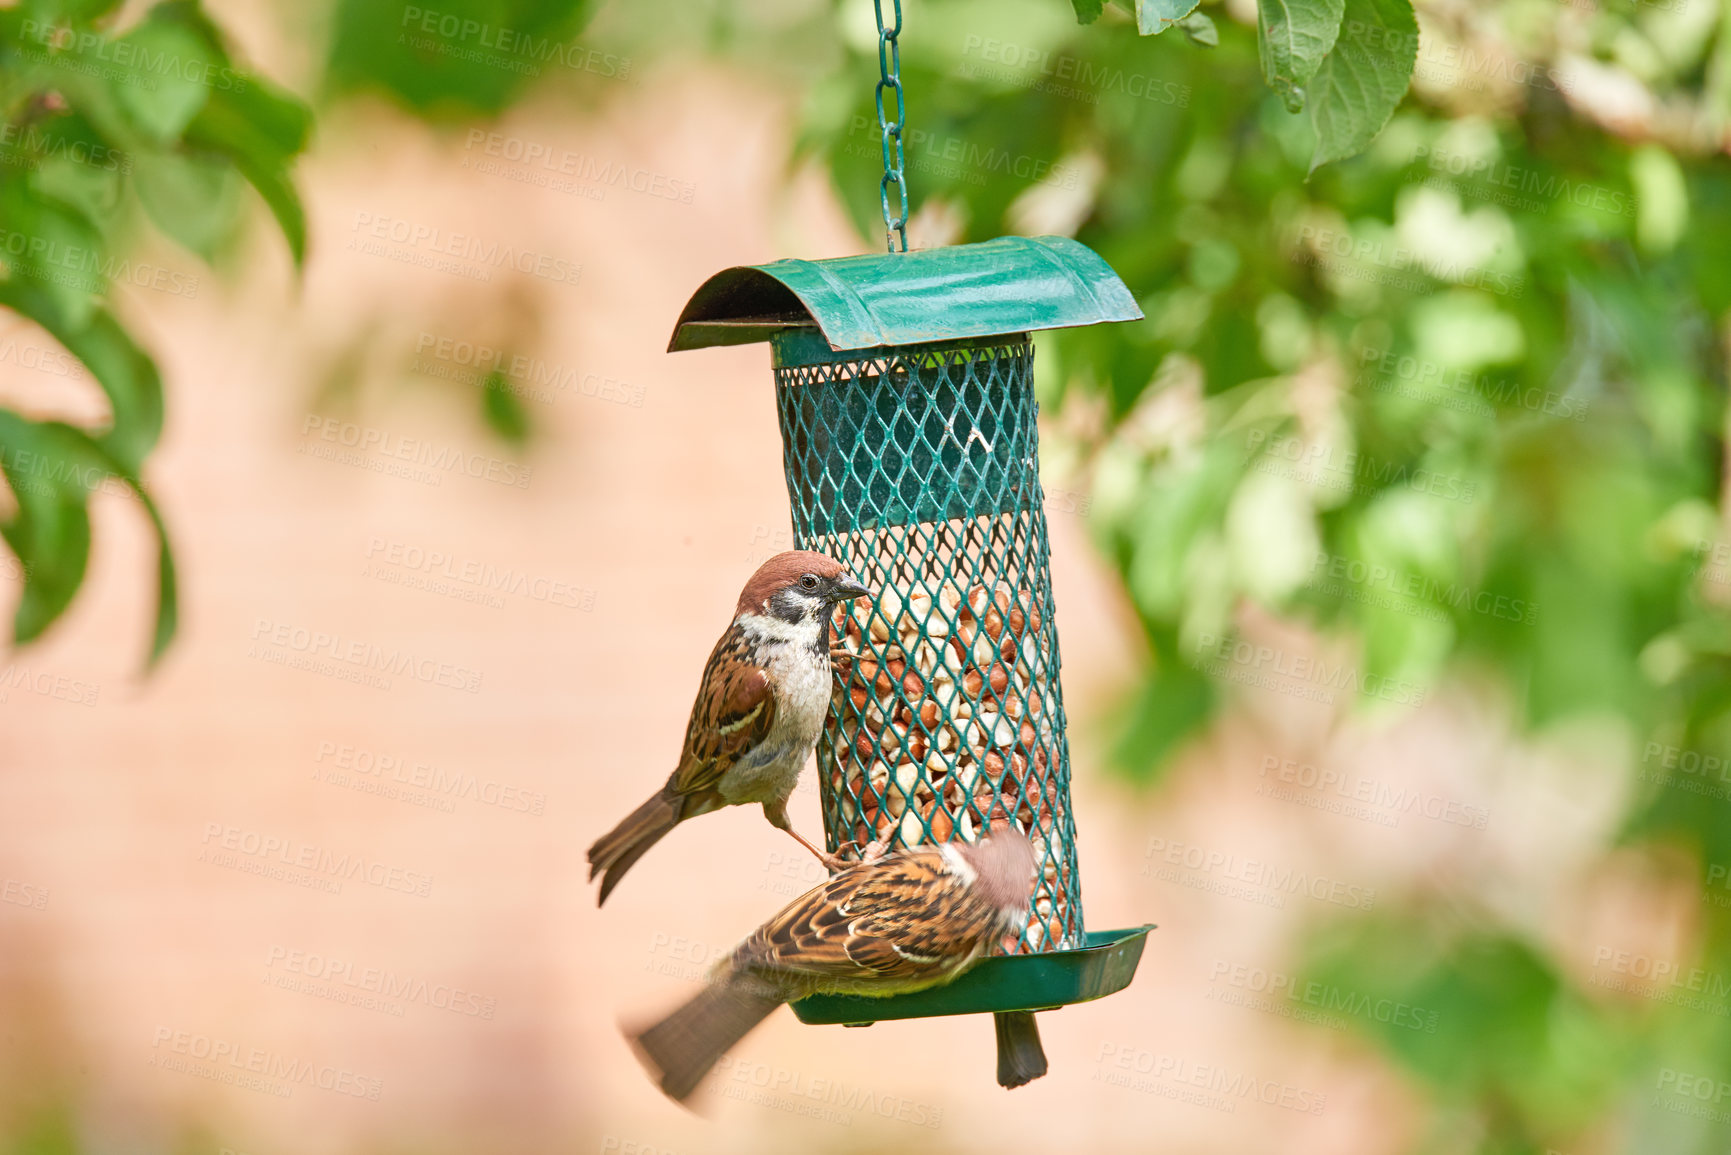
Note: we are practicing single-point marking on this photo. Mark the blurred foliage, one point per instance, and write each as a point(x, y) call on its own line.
point(503, 412)
point(99, 126)
point(1458, 402)
point(105, 125)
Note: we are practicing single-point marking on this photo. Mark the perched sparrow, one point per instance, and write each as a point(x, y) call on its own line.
point(913, 919)
point(764, 696)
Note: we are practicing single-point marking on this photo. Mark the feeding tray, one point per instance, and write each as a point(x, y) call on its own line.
point(1103, 965)
point(905, 392)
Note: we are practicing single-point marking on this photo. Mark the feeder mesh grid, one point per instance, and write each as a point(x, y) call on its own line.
point(918, 469)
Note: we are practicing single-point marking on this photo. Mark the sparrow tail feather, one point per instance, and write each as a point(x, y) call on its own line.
point(681, 1049)
point(1021, 1059)
point(613, 853)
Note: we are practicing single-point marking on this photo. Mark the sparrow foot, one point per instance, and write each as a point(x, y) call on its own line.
point(863, 854)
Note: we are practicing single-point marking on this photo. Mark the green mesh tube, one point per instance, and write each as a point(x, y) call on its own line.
point(918, 468)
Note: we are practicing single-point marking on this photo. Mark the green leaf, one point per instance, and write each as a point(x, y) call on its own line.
point(1088, 11)
point(162, 86)
point(51, 469)
point(266, 119)
point(58, 263)
point(260, 130)
point(134, 387)
point(50, 475)
point(167, 583)
point(1292, 38)
point(1199, 29)
point(195, 201)
point(1363, 78)
point(1156, 16)
point(125, 372)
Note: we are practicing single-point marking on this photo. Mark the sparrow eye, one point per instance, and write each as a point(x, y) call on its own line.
point(809, 581)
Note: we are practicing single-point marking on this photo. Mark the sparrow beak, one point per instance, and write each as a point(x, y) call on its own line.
point(845, 588)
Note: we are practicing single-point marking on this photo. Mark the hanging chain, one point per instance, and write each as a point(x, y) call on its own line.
point(890, 80)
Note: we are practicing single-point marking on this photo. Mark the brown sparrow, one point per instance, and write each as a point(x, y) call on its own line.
point(765, 693)
point(913, 919)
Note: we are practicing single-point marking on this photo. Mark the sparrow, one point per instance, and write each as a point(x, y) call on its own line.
point(901, 922)
point(759, 709)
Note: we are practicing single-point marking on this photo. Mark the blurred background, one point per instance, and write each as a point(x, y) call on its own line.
point(1389, 554)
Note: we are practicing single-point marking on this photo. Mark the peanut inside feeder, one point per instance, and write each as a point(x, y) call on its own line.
point(941, 722)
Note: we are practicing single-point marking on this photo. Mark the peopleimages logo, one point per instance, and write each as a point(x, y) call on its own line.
point(1383, 802)
point(391, 449)
point(345, 979)
point(955, 155)
point(1480, 389)
point(525, 376)
point(1661, 980)
point(830, 1100)
point(223, 843)
point(23, 894)
point(78, 267)
point(46, 685)
point(1275, 992)
point(1461, 62)
point(1255, 873)
point(1323, 465)
point(1062, 74)
point(1349, 255)
point(531, 50)
point(1238, 660)
point(444, 784)
point(580, 167)
point(424, 244)
point(362, 656)
point(71, 47)
point(175, 1047)
point(1417, 588)
point(1547, 187)
point(1117, 1064)
point(33, 145)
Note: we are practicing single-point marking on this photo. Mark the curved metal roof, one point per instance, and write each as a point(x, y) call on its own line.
point(1008, 285)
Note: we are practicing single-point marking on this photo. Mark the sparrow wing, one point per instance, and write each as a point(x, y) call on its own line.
point(733, 713)
point(904, 917)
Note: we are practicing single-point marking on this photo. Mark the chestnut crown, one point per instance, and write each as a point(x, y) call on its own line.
point(799, 581)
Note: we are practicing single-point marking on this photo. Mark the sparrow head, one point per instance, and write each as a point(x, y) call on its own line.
point(1005, 871)
point(799, 586)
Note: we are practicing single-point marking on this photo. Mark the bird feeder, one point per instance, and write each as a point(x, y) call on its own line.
point(905, 388)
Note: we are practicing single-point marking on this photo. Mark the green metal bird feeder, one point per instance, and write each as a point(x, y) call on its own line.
point(905, 386)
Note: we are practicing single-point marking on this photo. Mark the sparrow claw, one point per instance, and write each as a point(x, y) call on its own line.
point(863, 855)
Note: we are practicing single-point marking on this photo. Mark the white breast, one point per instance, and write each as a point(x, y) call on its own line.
point(800, 674)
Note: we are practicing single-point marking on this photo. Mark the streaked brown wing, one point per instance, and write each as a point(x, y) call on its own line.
point(901, 918)
point(733, 712)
